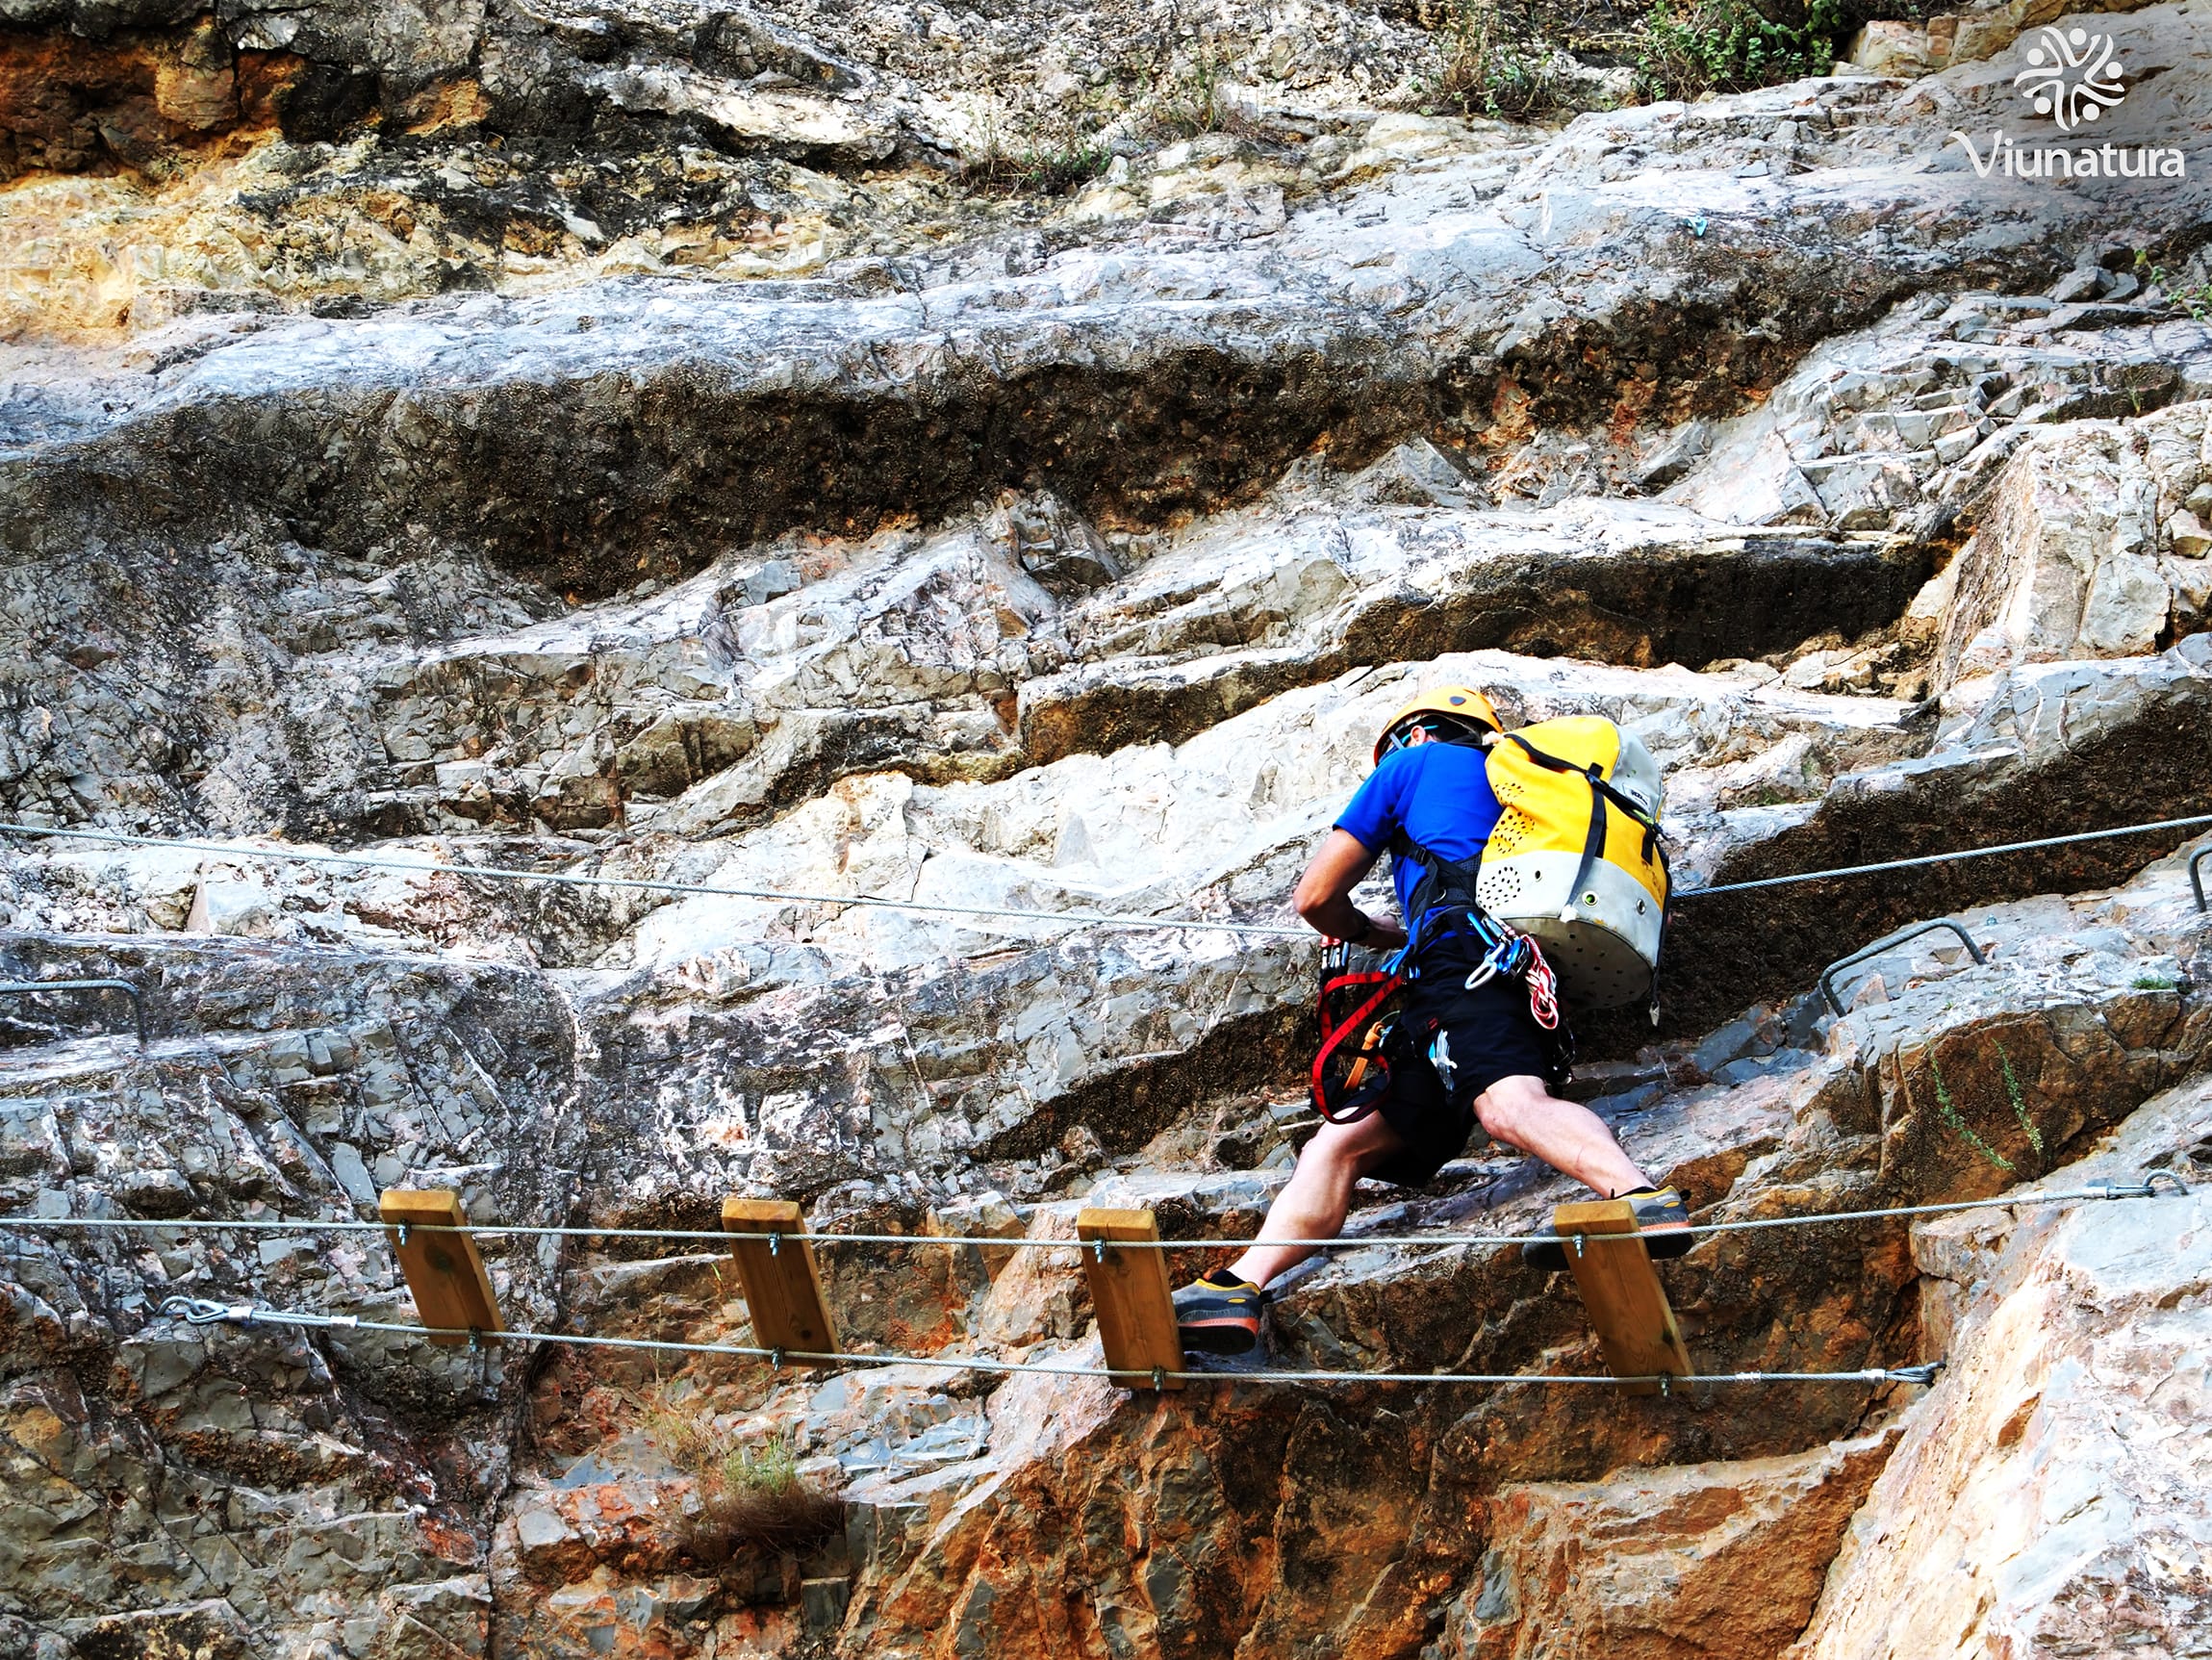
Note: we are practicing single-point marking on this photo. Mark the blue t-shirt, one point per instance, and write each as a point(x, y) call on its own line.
point(1438, 794)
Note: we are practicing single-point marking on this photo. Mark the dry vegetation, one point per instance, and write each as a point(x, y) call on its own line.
point(751, 1494)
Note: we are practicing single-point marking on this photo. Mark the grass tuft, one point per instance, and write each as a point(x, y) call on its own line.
point(1196, 101)
point(1493, 64)
point(1053, 170)
point(751, 1495)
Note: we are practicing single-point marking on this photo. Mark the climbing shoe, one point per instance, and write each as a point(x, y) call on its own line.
point(1219, 1315)
point(1660, 1218)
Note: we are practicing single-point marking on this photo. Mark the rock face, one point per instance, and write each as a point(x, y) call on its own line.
point(2059, 1474)
point(726, 469)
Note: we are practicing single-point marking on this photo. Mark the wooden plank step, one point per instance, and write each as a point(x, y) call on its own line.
point(1621, 1290)
point(782, 1285)
point(453, 1292)
point(1129, 1293)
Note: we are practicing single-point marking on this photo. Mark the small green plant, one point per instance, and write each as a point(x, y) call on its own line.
point(1690, 47)
point(2013, 1094)
point(691, 1440)
point(2153, 983)
point(2196, 300)
point(1958, 1125)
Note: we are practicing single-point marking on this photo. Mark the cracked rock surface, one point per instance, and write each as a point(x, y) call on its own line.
point(681, 450)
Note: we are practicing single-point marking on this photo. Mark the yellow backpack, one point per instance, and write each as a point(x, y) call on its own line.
point(1576, 859)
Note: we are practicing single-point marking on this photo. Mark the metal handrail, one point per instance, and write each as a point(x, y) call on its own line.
point(1829, 973)
point(29, 988)
point(2196, 877)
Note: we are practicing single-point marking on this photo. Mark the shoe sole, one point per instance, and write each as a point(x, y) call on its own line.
point(1220, 1338)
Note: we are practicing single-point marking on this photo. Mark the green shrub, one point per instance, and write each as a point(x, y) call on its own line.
point(1688, 47)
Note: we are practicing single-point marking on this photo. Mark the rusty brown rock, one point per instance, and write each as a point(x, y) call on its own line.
point(1712, 1559)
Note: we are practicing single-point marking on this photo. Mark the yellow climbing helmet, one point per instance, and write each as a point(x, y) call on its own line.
point(1461, 703)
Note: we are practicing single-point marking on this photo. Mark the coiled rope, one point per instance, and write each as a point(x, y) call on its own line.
point(1022, 913)
point(2146, 1188)
point(198, 1311)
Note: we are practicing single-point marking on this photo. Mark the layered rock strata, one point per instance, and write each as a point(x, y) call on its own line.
point(803, 514)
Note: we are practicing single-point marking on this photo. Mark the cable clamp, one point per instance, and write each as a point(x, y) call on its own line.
point(1158, 1379)
point(205, 1311)
point(775, 1243)
point(2147, 1188)
point(406, 1233)
point(776, 1359)
point(1098, 1248)
point(1924, 1373)
point(1665, 1383)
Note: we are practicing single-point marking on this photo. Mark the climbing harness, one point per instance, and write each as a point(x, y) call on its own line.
point(1351, 1073)
point(1361, 1038)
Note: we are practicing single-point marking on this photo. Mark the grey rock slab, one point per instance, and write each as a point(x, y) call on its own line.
point(349, 423)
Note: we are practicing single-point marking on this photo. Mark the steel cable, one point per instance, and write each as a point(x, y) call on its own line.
point(203, 1311)
point(1075, 918)
point(2147, 1188)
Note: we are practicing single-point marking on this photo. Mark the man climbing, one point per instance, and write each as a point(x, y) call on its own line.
point(1462, 1055)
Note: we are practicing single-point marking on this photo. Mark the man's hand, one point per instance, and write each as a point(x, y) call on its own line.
point(1324, 894)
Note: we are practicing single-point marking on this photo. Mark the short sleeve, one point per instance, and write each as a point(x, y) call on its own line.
point(1375, 813)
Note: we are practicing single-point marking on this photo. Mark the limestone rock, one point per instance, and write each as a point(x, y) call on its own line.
point(743, 464)
point(2049, 1491)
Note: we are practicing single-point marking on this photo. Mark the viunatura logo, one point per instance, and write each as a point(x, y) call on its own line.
point(2072, 77)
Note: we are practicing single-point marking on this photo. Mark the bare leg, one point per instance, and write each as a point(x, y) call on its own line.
point(1568, 1137)
point(1313, 1204)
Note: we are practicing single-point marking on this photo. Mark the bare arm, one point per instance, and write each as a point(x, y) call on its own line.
point(1324, 894)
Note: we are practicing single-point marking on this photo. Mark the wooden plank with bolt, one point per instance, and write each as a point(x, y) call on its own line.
point(1130, 1294)
point(452, 1293)
point(1621, 1291)
point(783, 1285)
